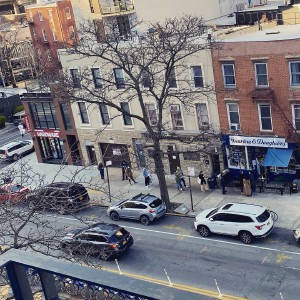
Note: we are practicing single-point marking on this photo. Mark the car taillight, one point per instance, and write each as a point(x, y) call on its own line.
point(113, 246)
point(151, 210)
point(259, 227)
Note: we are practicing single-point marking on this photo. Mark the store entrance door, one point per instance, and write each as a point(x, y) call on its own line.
point(174, 160)
point(51, 150)
point(91, 154)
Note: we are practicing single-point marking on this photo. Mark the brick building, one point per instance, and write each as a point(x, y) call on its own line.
point(257, 77)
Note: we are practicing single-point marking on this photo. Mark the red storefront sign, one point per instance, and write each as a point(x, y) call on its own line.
point(50, 133)
point(27, 123)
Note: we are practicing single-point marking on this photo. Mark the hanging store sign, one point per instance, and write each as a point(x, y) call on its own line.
point(50, 133)
point(27, 123)
point(251, 141)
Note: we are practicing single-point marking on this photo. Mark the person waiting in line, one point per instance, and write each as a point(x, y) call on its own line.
point(129, 175)
point(241, 178)
point(252, 183)
point(123, 166)
point(223, 183)
point(146, 175)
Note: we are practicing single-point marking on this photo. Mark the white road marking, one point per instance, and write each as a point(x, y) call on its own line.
point(290, 268)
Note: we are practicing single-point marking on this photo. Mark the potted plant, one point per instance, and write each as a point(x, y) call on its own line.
point(2, 121)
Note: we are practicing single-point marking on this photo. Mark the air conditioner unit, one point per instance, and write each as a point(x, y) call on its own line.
point(234, 127)
point(205, 123)
point(174, 108)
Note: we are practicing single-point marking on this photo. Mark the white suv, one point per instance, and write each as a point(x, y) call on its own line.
point(238, 219)
point(15, 150)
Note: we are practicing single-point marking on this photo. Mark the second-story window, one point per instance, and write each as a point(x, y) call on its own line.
point(68, 12)
point(104, 114)
point(176, 117)
point(91, 6)
point(152, 114)
point(48, 54)
point(295, 73)
point(34, 34)
point(83, 113)
point(40, 16)
point(66, 116)
point(119, 78)
point(261, 75)
point(75, 76)
point(54, 35)
point(228, 75)
point(202, 115)
point(126, 119)
point(197, 76)
point(45, 38)
point(296, 114)
point(50, 15)
point(233, 116)
point(97, 78)
point(265, 117)
point(146, 79)
point(172, 79)
point(71, 33)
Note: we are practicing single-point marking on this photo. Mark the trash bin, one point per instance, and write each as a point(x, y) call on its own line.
point(211, 183)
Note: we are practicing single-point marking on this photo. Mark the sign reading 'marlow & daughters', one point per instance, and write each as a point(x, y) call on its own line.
point(251, 141)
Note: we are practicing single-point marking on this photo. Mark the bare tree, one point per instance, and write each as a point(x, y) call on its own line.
point(149, 62)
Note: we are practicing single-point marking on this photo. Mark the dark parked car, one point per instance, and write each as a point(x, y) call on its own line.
point(64, 197)
point(101, 240)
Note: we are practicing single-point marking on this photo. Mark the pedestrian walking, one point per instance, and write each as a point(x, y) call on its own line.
point(123, 166)
point(178, 179)
point(129, 175)
point(21, 129)
point(252, 183)
point(146, 175)
point(247, 187)
point(182, 177)
point(202, 182)
point(223, 183)
point(241, 178)
point(101, 170)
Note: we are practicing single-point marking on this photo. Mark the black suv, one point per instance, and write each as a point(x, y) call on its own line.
point(63, 197)
point(101, 240)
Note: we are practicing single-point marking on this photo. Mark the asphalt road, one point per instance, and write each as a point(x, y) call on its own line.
point(267, 269)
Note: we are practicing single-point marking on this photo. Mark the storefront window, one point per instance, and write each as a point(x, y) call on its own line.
point(236, 157)
point(44, 116)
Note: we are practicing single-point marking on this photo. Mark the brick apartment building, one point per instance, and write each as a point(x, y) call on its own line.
point(257, 77)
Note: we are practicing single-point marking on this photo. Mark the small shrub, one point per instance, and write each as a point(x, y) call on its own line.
point(19, 108)
point(2, 119)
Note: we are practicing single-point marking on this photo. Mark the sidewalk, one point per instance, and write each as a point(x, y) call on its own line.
point(287, 206)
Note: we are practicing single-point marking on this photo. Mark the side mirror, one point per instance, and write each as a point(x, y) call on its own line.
point(211, 219)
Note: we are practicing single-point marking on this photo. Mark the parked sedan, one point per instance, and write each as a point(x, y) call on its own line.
point(297, 234)
point(100, 240)
point(13, 192)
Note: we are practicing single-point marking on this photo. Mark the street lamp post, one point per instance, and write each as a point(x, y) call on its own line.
point(107, 164)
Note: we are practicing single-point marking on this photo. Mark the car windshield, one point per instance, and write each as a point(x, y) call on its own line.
point(15, 188)
point(212, 212)
point(119, 235)
point(263, 217)
point(157, 202)
point(77, 190)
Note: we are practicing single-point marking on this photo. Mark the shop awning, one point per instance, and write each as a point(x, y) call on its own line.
point(277, 158)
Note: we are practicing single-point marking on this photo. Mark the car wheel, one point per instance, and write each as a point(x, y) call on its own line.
point(114, 216)
point(203, 230)
point(16, 157)
point(145, 220)
point(246, 237)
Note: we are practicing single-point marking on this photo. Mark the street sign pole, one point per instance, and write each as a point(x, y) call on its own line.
point(191, 172)
point(108, 163)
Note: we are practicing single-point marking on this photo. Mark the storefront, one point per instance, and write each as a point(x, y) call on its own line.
point(270, 156)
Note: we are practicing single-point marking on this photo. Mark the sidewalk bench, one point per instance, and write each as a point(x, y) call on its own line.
point(273, 185)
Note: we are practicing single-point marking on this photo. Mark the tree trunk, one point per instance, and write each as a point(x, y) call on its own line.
point(160, 172)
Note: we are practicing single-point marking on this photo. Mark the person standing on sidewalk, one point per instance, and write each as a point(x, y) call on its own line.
point(223, 183)
point(146, 175)
point(101, 170)
point(21, 129)
point(178, 179)
point(181, 177)
point(202, 182)
point(129, 175)
point(241, 178)
point(252, 183)
point(123, 166)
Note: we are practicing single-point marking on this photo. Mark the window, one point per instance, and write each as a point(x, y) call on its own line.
point(54, 35)
point(151, 113)
point(71, 33)
point(50, 15)
point(83, 113)
point(126, 119)
point(39, 54)
point(197, 77)
point(45, 38)
point(75, 78)
point(34, 34)
point(97, 78)
point(48, 54)
point(177, 121)
point(124, 26)
point(91, 6)
point(261, 75)
point(295, 73)
point(129, 205)
point(219, 217)
point(296, 113)
point(202, 115)
point(119, 78)
point(233, 116)
point(68, 12)
point(146, 79)
point(104, 114)
point(40, 16)
point(172, 79)
point(228, 75)
point(265, 119)
point(66, 116)
point(44, 115)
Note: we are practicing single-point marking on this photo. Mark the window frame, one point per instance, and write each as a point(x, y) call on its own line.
point(81, 113)
point(48, 55)
point(44, 34)
point(147, 105)
point(76, 85)
point(294, 115)
point(174, 78)
point(50, 15)
point(144, 71)
point(172, 114)
point(125, 116)
point(35, 37)
point(257, 75)
point(260, 117)
point(201, 126)
point(40, 15)
point(68, 13)
point(54, 35)
point(102, 115)
point(97, 86)
point(297, 85)
point(228, 115)
point(71, 31)
point(193, 76)
point(118, 85)
point(66, 116)
point(224, 76)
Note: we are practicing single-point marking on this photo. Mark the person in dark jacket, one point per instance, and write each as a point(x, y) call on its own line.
point(202, 182)
point(223, 183)
point(241, 178)
point(123, 166)
point(101, 170)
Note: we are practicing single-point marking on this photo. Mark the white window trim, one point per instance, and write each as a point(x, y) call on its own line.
point(100, 118)
point(34, 34)
point(196, 115)
point(71, 32)
point(132, 119)
point(224, 82)
point(290, 72)
point(177, 82)
point(70, 76)
point(259, 116)
point(256, 81)
point(142, 86)
point(79, 115)
point(96, 67)
point(182, 117)
point(54, 35)
point(44, 34)
point(40, 16)
point(68, 15)
point(192, 76)
point(114, 77)
point(293, 115)
point(50, 15)
point(155, 107)
point(228, 115)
